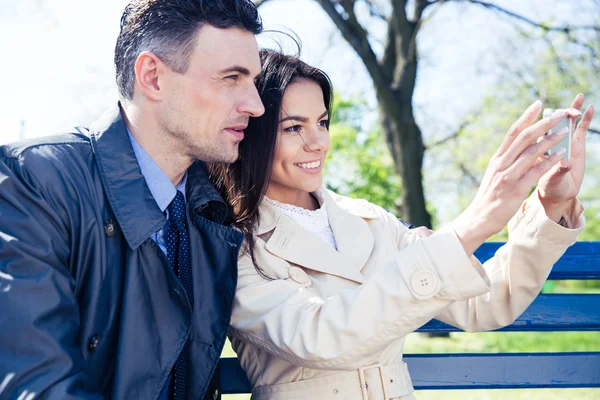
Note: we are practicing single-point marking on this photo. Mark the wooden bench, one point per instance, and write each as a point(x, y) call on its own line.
point(549, 312)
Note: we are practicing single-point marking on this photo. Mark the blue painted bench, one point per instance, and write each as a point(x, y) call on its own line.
point(549, 312)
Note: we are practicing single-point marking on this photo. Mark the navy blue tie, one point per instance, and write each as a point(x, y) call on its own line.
point(178, 254)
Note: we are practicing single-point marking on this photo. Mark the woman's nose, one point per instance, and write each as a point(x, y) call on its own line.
point(319, 140)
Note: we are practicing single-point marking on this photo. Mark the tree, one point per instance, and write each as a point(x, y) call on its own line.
point(394, 75)
point(359, 164)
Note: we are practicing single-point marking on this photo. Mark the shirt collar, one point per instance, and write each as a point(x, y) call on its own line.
point(158, 182)
point(126, 189)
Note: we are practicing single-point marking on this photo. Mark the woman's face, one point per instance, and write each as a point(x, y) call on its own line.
point(302, 143)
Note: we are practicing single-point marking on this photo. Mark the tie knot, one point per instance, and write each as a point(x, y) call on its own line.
point(177, 210)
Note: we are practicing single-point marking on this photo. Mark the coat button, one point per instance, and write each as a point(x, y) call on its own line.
point(109, 227)
point(424, 283)
point(298, 275)
point(93, 342)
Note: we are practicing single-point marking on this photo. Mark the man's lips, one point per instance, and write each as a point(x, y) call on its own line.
point(237, 131)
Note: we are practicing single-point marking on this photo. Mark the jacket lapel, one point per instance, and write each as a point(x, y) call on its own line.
point(130, 198)
point(295, 244)
point(352, 234)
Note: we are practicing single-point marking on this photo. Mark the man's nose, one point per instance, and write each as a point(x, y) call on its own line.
point(252, 104)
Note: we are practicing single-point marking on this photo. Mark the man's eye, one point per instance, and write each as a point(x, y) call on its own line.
point(232, 77)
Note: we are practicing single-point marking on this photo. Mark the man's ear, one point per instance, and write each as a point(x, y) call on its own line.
point(148, 71)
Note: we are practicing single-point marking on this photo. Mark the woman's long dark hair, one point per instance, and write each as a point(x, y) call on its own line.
point(244, 183)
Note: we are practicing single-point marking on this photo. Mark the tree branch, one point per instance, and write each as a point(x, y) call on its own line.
point(456, 133)
point(374, 11)
point(467, 173)
point(444, 140)
point(354, 34)
point(421, 5)
point(388, 61)
point(546, 27)
point(399, 11)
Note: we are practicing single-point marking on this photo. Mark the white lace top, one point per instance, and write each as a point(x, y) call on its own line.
point(313, 221)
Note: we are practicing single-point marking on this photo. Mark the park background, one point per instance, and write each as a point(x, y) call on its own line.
point(450, 76)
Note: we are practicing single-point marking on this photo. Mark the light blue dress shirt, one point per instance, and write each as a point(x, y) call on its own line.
point(160, 186)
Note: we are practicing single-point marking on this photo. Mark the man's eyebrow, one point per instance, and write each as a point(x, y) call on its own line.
point(236, 68)
point(299, 118)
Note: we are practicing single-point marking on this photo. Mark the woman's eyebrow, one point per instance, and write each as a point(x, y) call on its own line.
point(299, 118)
point(294, 118)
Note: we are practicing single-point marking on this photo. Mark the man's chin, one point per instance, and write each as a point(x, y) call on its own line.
point(218, 158)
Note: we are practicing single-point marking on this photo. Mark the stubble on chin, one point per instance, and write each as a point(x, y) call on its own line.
point(219, 153)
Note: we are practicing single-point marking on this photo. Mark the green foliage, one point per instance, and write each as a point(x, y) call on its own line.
point(559, 72)
point(359, 164)
point(504, 342)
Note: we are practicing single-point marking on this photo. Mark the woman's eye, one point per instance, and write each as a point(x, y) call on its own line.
point(324, 123)
point(294, 128)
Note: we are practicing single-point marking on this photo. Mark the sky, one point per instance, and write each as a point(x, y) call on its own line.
point(57, 58)
point(58, 70)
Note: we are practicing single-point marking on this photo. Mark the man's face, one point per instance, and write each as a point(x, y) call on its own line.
point(207, 108)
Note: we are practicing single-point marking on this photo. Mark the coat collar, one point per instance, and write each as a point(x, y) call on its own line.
point(130, 198)
point(295, 244)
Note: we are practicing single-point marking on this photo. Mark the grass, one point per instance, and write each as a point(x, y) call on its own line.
point(504, 342)
point(492, 342)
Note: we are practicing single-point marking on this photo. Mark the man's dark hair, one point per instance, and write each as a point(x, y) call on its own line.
point(244, 183)
point(168, 29)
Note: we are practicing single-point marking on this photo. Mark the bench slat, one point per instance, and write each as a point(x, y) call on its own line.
point(503, 371)
point(474, 371)
point(581, 261)
point(548, 312)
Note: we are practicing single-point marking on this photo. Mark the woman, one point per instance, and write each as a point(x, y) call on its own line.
point(329, 286)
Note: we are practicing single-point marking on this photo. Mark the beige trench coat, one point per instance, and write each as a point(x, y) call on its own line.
point(309, 332)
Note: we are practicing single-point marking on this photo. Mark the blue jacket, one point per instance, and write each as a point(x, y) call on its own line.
point(90, 308)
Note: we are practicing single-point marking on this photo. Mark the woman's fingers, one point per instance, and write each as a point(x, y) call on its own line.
point(534, 174)
point(584, 125)
point(529, 136)
point(578, 102)
point(534, 152)
point(578, 143)
point(526, 119)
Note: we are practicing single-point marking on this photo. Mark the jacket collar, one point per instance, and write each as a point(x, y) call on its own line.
point(130, 198)
point(295, 244)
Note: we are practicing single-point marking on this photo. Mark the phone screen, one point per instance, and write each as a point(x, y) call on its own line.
point(566, 122)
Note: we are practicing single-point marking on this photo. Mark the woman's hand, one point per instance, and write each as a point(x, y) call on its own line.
point(422, 231)
point(514, 169)
point(559, 186)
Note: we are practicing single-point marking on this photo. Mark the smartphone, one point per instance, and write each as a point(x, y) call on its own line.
point(566, 122)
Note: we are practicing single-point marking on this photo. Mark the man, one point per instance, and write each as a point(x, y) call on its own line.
point(117, 275)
